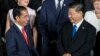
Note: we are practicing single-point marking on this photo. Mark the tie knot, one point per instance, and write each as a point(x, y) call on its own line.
point(23, 29)
point(74, 26)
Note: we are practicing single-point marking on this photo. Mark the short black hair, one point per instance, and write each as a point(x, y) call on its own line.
point(77, 5)
point(17, 11)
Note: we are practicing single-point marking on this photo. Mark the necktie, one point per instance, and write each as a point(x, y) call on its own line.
point(25, 35)
point(58, 6)
point(74, 30)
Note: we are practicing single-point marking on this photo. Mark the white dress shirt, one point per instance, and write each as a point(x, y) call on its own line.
point(78, 24)
point(56, 4)
point(61, 3)
point(19, 27)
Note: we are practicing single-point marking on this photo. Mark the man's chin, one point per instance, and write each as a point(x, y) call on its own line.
point(71, 21)
point(24, 24)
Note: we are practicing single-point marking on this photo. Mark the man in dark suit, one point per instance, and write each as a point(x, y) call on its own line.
point(18, 38)
point(77, 36)
point(52, 15)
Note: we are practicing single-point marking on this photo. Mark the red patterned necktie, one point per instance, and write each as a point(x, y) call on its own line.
point(25, 35)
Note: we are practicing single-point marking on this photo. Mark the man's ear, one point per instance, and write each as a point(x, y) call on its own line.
point(17, 18)
point(81, 13)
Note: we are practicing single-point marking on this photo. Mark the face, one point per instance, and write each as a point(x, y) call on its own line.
point(23, 18)
point(74, 16)
point(23, 2)
point(96, 5)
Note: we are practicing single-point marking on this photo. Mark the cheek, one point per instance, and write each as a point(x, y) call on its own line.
point(69, 16)
point(26, 20)
point(97, 6)
point(21, 2)
point(73, 16)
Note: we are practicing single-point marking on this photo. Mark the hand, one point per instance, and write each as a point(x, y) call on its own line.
point(67, 54)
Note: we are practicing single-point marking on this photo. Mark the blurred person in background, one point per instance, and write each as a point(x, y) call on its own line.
point(93, 17)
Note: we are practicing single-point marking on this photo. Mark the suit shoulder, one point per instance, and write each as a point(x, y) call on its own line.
point(11, 31)
point(89, 26)
point(45, 2)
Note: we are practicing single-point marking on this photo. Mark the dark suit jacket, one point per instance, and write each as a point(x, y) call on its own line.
point(49, 21)
point(16, 45)
point(82, 43)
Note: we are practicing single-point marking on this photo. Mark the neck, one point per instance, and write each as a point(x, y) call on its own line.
point(22, 5)
point(76, 22)
point(19, 24)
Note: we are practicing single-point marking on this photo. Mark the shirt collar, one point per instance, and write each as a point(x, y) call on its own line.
point(61, 3)
point(78, 24)
point(19, 27)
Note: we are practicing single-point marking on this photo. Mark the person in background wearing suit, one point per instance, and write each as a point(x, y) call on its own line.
point(77, 36)
point(93, 17)
point(18, 38)
point(52, 15)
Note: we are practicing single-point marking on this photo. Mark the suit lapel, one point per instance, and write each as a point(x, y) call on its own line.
point(20, 34)
point(53, 7)
point(80, 31)
point(64, 6)
point(28, 35)
point(63, 12)
point(69, 29)
point(31, 44)
point(62, 9)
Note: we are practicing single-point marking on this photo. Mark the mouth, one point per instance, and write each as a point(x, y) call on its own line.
point(26, 2)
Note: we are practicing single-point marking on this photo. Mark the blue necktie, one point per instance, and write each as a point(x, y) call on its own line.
point(74, 30)
point(58, 6)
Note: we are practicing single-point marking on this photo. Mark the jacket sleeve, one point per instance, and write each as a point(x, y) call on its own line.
point(42, 23)
point(59, 43)
point(11, 44)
